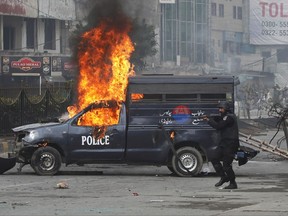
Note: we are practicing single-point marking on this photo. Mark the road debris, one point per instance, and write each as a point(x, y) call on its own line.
point(62, 185)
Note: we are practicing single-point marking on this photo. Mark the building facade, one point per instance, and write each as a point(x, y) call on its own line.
point(184, 32)
point(214, 34)
point(246, 37)
point(34, 40)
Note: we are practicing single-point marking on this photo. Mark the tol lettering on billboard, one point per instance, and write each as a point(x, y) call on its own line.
point(268, 22)
point(274, 9)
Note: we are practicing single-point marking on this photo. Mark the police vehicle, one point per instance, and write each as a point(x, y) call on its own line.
point(163, 127)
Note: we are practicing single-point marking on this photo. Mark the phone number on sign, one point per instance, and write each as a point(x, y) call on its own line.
point(272, 24)
point(275, 32)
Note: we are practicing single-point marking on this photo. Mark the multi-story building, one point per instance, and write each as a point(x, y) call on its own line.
point(34, 35)
point(34, 40)
point(249, 37)
point(182, 28)
point(227, 30)
point(184, 32)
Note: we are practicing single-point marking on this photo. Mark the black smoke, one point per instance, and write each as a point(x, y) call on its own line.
point(142, 35)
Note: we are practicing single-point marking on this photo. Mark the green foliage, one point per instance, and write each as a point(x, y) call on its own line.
point(143, 36)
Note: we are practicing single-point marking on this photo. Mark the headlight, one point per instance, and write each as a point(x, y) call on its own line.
point(32, 135)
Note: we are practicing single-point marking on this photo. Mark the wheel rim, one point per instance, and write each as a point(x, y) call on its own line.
point(189, 161)
point(47, 161)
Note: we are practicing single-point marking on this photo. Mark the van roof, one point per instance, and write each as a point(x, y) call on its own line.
point(142, 79)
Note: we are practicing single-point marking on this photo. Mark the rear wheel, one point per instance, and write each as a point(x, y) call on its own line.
point(190, 163)
point(46, 161)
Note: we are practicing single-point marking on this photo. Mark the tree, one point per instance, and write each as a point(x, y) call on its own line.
point(143, 36)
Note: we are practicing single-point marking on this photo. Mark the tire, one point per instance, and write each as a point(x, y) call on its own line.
point(46, 161)
point(171, 169)
point(190, 158)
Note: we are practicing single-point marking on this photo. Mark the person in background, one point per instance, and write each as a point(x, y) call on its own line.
point(227, 126)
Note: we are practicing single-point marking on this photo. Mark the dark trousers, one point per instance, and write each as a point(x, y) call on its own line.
point(226, 156)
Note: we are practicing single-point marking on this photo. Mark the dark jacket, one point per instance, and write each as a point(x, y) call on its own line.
point(228, 128)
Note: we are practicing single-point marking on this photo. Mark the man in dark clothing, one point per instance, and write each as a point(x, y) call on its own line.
point(229, 143)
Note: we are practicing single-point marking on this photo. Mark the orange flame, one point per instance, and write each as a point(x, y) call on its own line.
point(137, 96)
point(104, 54)
point(172, 135)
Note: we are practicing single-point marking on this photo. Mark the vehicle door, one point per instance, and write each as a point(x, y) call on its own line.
point(85, 143)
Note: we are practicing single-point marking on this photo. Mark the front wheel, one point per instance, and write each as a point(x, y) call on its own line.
point(188, 163)
point(46, 161)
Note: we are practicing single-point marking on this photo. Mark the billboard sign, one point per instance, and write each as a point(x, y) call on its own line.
point(23, 8)
point(63, 10)
point(64, 65)
point(268, 22)
point(25, 65)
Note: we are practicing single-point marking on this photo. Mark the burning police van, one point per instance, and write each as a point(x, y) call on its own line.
point(159, 124)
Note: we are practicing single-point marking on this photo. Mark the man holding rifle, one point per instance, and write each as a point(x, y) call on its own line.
point(229, 143)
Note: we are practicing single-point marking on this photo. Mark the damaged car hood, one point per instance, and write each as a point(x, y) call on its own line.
point(33, 126)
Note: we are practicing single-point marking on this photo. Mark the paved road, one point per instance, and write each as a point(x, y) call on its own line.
point(145, 191)
point(131, 190)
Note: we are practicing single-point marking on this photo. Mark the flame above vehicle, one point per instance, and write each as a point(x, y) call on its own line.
point(103, 54)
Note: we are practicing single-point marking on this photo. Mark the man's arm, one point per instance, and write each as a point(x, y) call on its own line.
point(220, 124)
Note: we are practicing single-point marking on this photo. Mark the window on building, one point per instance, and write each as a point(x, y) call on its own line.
point(49, 41)
point(9, 38)
point(30, 33)
point(231, 47)
point(200, 54)
point(239, 13)
point(266, 54)
point(234, 12)
point(248, 48)
point(213, 9)
point(184, 28)
point(64, 42)
point(221, 10)
point(282, 55)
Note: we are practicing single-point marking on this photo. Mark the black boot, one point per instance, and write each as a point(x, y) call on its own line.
point(222, 181)
point(232, 185)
